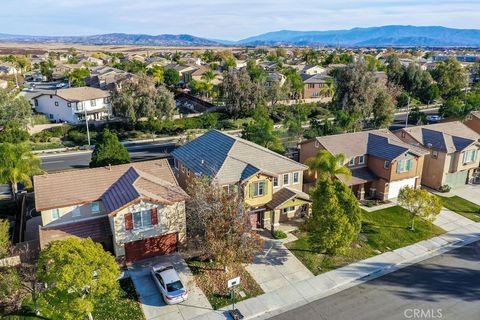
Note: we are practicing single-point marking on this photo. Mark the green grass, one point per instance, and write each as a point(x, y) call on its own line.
point(212, 279)
point(125, 307)
point(461, 206)
point(382, 230)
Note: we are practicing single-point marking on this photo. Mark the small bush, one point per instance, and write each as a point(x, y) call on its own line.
point(445, 188)
point(40, 119)
point(279, 234)
point(42, 136)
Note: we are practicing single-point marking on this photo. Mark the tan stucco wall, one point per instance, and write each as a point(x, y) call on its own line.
point(474, 124)
point(170, 219)
point(66, 214)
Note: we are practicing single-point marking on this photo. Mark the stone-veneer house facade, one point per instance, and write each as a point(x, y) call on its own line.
point(381, 164)
point(136, 210)
point(271, 184)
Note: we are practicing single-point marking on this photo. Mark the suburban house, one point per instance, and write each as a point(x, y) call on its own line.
point(452, 153)
point(134, 210)
point(107, 78)
point(312, 70)
point(313, 86)
point(381, 164)
point(270, 183)
point(73, 105)
point(274, 77)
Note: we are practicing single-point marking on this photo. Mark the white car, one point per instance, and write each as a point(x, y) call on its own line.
point(434, 118)
point(168, 282)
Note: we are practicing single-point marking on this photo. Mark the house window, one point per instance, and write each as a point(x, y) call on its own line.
point(51, 97)
point(76, 211)
point(142, 219)
point(404, 165)
point(55, 214)
point(286, 179)
point(275, 182)
point(106, 100)
point(69, 104)
point(351, 163)
point(56, 103)
point(95, 207)
point(434, 154)
point(35, 102)
point(258, 189)
point(296, 177)
point(361, 159)
point(93, 103)
point(386, 164)
point(288, 209)
point(50, 116)
point(311, 85)
point(79, 106)
point(470, 156)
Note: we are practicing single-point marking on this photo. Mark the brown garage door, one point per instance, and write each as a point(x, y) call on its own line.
point(150, 247)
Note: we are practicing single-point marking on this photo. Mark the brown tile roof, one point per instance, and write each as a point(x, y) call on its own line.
point(97, 229)
point(84, 186)
point(285, 194)
point(359, 176)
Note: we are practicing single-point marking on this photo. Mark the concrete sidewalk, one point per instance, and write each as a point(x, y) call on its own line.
point(293, 295)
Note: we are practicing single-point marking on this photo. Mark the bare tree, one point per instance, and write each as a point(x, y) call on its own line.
point(218, 225)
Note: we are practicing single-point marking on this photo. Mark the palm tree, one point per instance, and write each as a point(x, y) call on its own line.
point(327, 166)
point(328, 89)
point(17, 165)
point(209, 76)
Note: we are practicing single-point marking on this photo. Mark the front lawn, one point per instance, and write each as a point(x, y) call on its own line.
point(461, 206)
point(382, 230)
point(212, 279)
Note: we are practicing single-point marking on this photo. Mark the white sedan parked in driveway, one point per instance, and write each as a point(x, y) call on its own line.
point(169, 284)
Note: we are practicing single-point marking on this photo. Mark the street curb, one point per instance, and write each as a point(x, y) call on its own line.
point(379, 272)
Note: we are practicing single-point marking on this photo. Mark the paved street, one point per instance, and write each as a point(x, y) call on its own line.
point(443, 287)
point(78, 160)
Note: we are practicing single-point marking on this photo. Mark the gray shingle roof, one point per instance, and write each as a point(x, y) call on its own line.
point(380, 143)
point(447, 137)
point(231, 159)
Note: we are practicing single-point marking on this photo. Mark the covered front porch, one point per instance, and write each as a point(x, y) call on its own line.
point(362, 183)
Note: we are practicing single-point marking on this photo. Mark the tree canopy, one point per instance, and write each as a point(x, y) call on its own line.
point(261, 131)
point(336, 217)
point(141, 98)
point(171, 77)
point(109, 151)
point(451, 77)
point(420, 203)
point(78, 273)
point(77, 77)
point(14, 109)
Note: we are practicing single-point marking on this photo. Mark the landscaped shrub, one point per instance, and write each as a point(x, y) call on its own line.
point(60, 131)
point(445, 188)
point(42, 136)
point(279, 234)
point(40, 119)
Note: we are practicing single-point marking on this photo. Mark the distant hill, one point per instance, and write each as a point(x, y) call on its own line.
point(357, 37)
point(115, 39)
point(375, 36)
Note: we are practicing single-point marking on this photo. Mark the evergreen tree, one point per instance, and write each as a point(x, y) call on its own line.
point(109, 151)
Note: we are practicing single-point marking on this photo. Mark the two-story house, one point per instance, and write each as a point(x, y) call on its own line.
point(74, 105)
point(271, 183)
point(381, 164)
point(313, 86)
point(134, 210)
point(453, 152)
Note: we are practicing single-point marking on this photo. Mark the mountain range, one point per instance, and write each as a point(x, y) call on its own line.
point(384, 36)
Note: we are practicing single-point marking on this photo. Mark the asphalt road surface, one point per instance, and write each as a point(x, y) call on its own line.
point(79, 160)
point(445, 287)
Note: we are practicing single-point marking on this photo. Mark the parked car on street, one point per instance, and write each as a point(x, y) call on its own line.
point(434, 118)
point(168, 282)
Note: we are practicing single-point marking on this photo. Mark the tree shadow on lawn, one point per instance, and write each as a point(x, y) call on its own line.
point(371, 228)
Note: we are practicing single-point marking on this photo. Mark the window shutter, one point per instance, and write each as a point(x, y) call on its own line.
point(128, 221)
point(154, 216)
point(398, 166)
point(409, 165)
point(265, 187)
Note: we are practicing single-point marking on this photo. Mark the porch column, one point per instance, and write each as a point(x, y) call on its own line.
point(361, 192)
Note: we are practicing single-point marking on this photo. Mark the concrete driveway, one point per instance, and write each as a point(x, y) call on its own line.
point(276, 267)
point(470, 192)
point(151, 300)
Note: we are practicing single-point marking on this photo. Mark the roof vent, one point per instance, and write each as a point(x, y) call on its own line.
point(429, 145)
point(202, 161)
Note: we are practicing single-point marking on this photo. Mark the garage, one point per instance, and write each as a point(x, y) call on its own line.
point(456, 179)
point(147, 248)
point(395, 187)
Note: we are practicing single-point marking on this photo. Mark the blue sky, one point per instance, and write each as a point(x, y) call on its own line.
point(225, 19)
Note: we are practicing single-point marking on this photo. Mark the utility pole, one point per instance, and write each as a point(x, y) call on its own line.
point(408, 112)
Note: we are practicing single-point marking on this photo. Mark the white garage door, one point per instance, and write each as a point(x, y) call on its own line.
point(394, 187)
